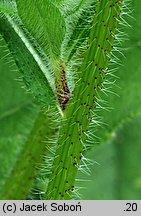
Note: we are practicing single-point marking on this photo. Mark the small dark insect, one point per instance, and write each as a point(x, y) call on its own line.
point(63, 99)
point(63, 91)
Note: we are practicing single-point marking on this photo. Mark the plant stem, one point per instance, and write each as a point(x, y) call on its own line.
point(78, 113)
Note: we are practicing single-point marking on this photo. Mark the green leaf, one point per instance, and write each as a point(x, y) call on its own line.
point(32, 68)
point(17, 114)
point(22, 138)
point(45, 23)
point(8, 7)
point(80, 31)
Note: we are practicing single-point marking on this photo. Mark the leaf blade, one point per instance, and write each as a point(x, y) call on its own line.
point(28, 64)
point(45, 22)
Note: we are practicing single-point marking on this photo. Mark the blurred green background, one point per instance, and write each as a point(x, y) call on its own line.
point(116, 173)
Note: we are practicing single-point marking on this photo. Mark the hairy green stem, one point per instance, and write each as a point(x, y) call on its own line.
point(78, 114)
